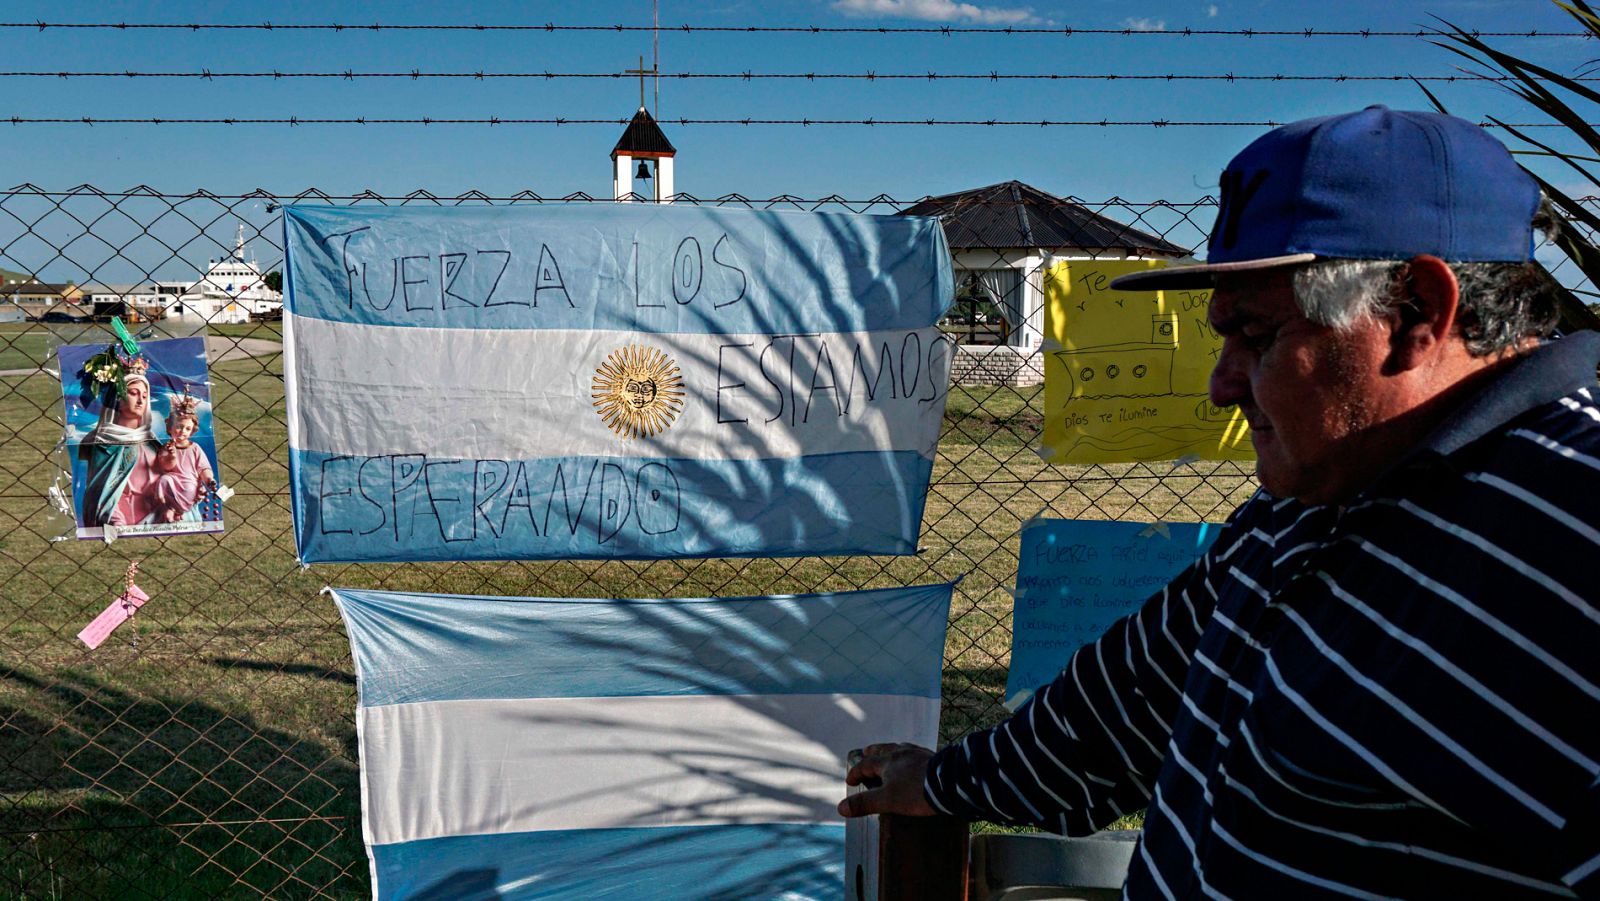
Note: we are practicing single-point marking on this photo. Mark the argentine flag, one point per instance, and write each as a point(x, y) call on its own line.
point(610, 380)
point(521, 748)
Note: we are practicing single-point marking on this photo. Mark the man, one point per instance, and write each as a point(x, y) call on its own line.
point(1383, 680)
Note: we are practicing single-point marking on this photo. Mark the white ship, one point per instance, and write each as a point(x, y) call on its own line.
point(231, 291)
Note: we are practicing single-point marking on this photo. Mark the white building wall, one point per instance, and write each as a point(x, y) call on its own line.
point(1020, 364)
point(622, 178)
point(664, 187)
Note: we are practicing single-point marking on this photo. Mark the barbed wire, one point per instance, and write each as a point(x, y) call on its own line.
point(276, 198)
point(551, 27)
point(806, 122)
point(748, 75)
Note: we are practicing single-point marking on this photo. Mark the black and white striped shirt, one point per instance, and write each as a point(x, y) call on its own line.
point(1396, 698)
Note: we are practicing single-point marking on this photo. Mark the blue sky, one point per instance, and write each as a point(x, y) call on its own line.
point(760, 161)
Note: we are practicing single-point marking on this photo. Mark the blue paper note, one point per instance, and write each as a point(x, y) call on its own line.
point(1075, 578)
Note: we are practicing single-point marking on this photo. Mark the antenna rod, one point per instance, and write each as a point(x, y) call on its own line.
point(655, 51)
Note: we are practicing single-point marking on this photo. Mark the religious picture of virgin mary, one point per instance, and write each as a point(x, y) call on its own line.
point(144, 459)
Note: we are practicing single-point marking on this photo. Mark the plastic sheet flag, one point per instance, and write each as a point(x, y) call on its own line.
point(1126, 373)
point(520, 748)
point(600, 381)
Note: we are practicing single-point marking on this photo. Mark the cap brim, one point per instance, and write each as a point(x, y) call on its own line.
point(1200, 275)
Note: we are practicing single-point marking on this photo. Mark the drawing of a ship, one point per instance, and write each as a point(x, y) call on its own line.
point(1129, 369)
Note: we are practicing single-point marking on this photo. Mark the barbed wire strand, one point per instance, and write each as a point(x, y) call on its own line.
point(550, 27)
point(561, 121)
point(273, 199)
point(481, 75)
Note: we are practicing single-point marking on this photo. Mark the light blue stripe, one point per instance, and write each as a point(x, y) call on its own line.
point(631, 267)
point(432, 647)
point(416, 508)
point(705, 863)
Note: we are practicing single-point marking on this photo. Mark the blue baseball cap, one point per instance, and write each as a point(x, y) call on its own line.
point(1378, 184)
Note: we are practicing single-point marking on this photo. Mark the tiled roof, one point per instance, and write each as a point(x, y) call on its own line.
point(1012, 214)
point(36, 288)
point(643, 136)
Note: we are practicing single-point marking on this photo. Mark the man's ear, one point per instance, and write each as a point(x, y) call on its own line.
point(1425, 312)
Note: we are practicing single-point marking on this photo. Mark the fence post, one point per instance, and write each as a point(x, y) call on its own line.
point(901, 858)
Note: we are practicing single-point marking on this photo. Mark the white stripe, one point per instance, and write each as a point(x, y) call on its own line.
point(1155, 873)
point(1413, 850)
point(1448, 742)
point(1249, 583)
point(1234, 627)
point(1088, 796)
point(1044, 698)
point(1111, 689)
point(1166, 615)
point(1514, 563)
point(1349, 741)
point(937, 778)
point(1559, 448)
point(1217, 671)
point(995, 806)
point(1576, 407)
point(1176, 823)
point(1483, 616)
point(1582, 871)
point(994, 754)
point(1194, 616)
point(1287, 870)
point(1294, 550)
point(1297, 520)
point(1206, 721)
point(1460, 675)
point(1144, 644)
point(291, 411)
point(1194, 773)
point(1078, 682)
point(1589, 533)
point(1221, 555)
point(518, 394)
point(1194, 856)
point(1021, 755)
point(441, 768)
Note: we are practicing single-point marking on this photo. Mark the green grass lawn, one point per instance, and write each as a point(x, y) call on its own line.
point(208, 748)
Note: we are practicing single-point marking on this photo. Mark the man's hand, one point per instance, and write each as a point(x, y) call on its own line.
point(893, 774)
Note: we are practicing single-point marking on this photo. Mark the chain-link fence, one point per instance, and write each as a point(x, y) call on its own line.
point(207, 749)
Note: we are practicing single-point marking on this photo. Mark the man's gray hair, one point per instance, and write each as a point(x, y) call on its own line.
point(1501, 304)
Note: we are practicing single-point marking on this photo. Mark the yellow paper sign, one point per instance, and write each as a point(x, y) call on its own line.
point(1126, 371)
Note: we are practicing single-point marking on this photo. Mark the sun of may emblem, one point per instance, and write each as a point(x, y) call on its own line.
point(638, 391)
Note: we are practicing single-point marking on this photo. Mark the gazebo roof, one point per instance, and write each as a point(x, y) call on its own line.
point(1012, 214)
point(643, 138)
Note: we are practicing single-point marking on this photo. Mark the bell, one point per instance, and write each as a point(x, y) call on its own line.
point(644, 170)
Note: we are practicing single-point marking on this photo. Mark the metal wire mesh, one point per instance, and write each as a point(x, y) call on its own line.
point(208, 748)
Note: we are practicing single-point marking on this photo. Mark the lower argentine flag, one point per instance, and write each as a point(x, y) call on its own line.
point(610, 380)
point(520, 748)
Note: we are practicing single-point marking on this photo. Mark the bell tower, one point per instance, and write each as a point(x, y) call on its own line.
point(642, 144)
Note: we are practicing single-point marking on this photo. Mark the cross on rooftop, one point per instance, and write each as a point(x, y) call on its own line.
point(641, 72)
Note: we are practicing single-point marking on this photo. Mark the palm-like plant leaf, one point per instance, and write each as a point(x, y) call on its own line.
point(1533, 83)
